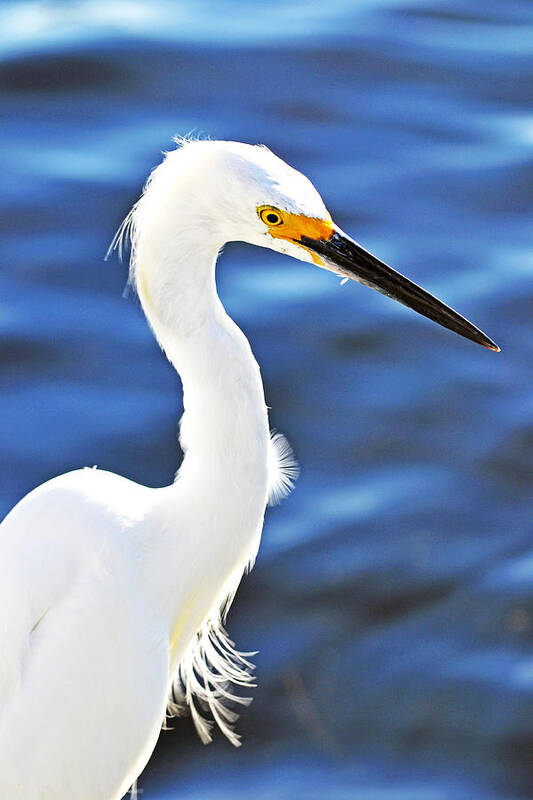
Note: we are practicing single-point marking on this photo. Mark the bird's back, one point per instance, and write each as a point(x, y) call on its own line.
point(83, 661)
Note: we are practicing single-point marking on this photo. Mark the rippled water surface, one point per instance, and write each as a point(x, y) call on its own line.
point(392, 602)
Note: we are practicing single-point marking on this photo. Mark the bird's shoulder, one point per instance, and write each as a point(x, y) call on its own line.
point(73, 502)
point(77, 523)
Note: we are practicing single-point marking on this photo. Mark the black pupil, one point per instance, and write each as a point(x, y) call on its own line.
point(272, 218)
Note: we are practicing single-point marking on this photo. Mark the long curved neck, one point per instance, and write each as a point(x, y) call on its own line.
point(222, 484)
point(225, 417)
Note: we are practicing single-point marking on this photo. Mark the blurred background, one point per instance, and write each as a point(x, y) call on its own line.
point(392, 601)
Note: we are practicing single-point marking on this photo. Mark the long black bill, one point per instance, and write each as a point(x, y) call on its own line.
point(347, 258)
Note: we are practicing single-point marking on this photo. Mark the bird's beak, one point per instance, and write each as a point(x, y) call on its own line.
point(340, 254)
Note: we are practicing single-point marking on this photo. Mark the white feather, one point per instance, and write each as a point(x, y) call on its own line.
point(202, 687)
point(283, 468)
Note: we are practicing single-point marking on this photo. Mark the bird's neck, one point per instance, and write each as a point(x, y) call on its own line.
point(221, 488)
point(223, 398)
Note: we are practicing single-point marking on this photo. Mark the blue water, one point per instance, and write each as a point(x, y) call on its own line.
point(392, 601)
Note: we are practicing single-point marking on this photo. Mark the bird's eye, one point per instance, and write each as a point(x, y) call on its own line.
point(270, 216)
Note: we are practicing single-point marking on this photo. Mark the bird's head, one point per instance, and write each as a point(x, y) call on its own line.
point(239, 192)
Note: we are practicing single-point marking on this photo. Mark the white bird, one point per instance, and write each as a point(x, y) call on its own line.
point(112, 594)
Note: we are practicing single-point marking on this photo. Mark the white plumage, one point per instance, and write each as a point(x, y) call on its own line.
point(112, 594)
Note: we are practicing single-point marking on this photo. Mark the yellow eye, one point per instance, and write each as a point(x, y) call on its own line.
point(270, 216)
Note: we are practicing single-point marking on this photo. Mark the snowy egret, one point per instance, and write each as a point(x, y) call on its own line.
point(112, 594)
